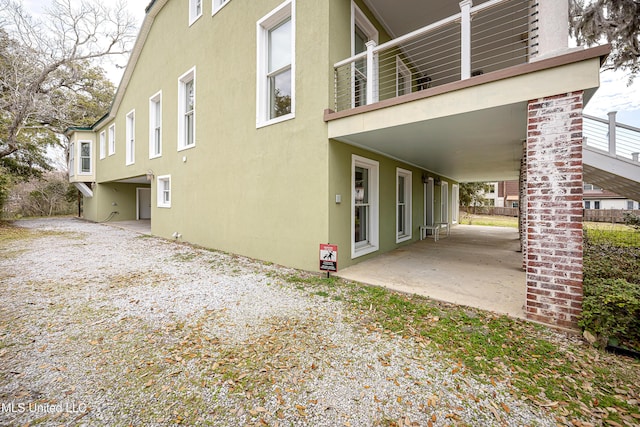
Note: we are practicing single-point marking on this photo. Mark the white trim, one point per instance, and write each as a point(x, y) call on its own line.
point(193, 14)
point(160, 191)
point(372, 244)
point(79, 157)
point(154, 100)
point(428, 202)
point(216, 8)
point(401, 68)
point(189, 76)
point(72, 159)
point(130, 138)
point(285, 10)
point(444, 201)
point(359, 19)
point(455, 201)
point(103, 144)
point(112, 139)
point(408, 213)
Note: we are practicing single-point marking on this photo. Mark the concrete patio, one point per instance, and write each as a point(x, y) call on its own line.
point(475, 266)
point(142, 226)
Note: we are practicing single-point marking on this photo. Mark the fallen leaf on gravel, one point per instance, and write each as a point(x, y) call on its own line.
point(495, 414)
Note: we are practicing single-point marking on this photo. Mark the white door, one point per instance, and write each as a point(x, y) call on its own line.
point(144, 203)
point(444, 202)
point(428, 202)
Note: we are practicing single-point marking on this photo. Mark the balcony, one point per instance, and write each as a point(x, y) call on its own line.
point(491, 36)
point(451, 96)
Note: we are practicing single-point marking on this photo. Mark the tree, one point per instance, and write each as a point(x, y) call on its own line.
point(472, 194)
point(47, 78)
point(617, 21)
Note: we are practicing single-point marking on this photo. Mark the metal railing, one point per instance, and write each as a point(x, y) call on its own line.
point(615, 138)
point(501, 34)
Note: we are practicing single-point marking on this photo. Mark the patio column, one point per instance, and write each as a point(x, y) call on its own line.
point(551, 27)
point(554, 210)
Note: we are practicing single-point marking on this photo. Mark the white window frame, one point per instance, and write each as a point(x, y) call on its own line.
point(402, 69)
point(360, 20)
point(130, 135)
point(103, 145)
point(112, 139)
point(263, 26)
point(372, 244)
point(72, 159)
point(444, 201)
point(455, 202)
point(406, 233)
point(216, 5)
point(161, 191)
point(195, 10)
point(80, 170)
point(155, 124)
point(183, 80)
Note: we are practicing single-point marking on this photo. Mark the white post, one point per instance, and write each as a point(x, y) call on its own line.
point(612, 132)
point(372, 82)
point(465, 39)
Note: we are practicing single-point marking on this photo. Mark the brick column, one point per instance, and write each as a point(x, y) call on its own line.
point(554, 210)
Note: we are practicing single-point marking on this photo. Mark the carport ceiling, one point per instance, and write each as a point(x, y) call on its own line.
point(404, 16)
point(482, 145)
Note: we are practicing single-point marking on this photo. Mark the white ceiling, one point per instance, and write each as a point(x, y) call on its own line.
point(483, 145)
point(403, 16)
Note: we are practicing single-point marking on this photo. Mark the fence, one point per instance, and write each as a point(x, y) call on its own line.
point(607, 215)
point(491, 210)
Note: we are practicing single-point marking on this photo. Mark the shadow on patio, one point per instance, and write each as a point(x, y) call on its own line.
point(475, 266)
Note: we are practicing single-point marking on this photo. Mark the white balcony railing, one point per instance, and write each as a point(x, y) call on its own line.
point(617, 139)
point(493, 35)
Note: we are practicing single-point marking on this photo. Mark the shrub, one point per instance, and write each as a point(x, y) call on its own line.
point(611, 311)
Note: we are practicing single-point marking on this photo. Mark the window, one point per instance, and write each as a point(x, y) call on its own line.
point(72, 159)
point(130, 142)
point(587, 204)
point(155, 125)
point(630, 204)
point(276, 66)
point(403, 205)
point(164, 191)
point(195, 10)
point(362, 32)
point(85, 157)
point(112, 140)
point(187, 110)
point(444, 202)
point(403, 78)
point(218, 4)
point(596, 204)
point(103, 144)
point(514, 204)
point(364, 206)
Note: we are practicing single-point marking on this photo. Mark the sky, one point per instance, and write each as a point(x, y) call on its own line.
point(613, 94)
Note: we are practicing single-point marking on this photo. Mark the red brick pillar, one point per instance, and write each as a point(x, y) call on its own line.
point(554, 210)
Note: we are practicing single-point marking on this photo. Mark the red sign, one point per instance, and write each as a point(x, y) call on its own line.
point(328, 257)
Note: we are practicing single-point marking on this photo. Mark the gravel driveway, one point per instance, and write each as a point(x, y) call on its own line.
point(105, 327)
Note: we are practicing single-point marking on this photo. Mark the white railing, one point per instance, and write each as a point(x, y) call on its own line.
point(615, 138)
point(488, 37)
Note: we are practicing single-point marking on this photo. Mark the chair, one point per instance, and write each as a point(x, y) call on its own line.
point(435, 228)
